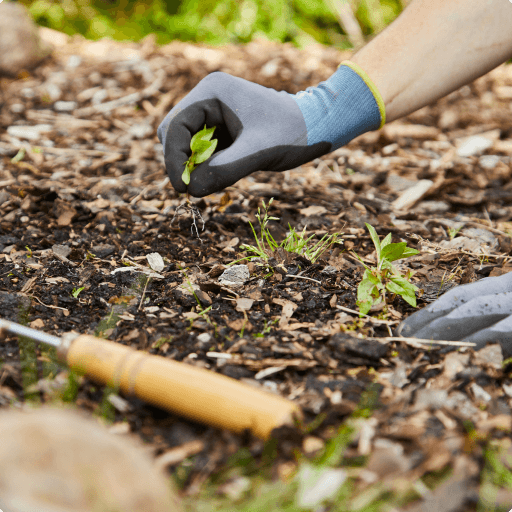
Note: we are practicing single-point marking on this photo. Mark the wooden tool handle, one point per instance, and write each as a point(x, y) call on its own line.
point(195, 393)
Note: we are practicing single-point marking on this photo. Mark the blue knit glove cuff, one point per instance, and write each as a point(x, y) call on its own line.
point(341, 108)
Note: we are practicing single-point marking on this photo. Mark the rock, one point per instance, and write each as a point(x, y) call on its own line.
point(474, 145)
point(235, 276)
point(102, 250)
point(412, 195)
point(28, 132)
point(20, 45)
point(53, 459)
point(204, 337)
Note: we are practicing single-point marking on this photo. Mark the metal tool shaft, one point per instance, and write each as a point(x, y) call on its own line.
point(21, 330)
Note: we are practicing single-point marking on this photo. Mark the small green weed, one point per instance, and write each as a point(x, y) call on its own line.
point(202, 149)
point(266, 329)
point(453, 232)
point(385, 276)
point(76, 291)
point(266, 246)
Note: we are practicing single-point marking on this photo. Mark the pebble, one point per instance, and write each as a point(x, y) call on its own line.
point(65, 106)
point(474, 145)
point(28, 132)
point(204, 337)
point(235, 276)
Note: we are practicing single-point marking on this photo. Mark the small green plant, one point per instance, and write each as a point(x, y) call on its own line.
point(202, 149)
point(266, 329)
point(453, 232)
point(29, 251)
point(76, 291)
point(385, 276)
point(294, 242)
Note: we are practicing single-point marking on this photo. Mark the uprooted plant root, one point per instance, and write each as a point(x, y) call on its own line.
point(194, 212)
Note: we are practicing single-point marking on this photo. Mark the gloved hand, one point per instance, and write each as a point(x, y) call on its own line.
point(479, 312)
point(261, 129)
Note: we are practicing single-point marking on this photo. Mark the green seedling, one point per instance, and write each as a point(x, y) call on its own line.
point(453, 232)
point(266, 246)
point(202, 149)
point(76, 291)
point(385, 277)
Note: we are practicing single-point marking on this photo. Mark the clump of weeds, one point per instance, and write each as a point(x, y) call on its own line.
point(266, 246)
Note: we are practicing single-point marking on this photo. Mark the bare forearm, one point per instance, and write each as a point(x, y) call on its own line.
point(433, 48)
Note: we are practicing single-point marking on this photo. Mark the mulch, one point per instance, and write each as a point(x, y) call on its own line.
point(88, 201)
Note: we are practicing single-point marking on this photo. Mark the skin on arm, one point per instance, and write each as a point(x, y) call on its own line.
point(433, 48)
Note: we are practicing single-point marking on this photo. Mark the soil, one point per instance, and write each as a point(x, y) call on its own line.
point(89, 200)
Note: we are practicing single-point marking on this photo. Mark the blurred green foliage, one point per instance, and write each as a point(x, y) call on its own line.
point(214, 22)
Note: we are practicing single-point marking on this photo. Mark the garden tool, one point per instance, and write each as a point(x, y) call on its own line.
point(192, 392)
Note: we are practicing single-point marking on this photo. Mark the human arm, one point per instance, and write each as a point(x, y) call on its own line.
point(433, 48)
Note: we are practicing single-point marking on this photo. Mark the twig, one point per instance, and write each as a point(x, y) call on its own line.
point(417, 341)
point(303, 277)
point(46, 305)
point(370, 318)
point(143, 293)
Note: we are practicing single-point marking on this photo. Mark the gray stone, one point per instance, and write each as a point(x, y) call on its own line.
point(204, 337)
point(235, 276)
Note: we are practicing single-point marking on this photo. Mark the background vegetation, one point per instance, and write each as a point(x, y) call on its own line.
point(340, 23)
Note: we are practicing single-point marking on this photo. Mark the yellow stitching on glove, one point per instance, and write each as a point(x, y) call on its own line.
point(371, 86)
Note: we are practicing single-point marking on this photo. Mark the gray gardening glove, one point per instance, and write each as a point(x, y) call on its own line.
point(261, 129)
point(479, 312)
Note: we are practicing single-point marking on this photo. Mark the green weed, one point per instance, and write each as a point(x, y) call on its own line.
point(385, 277)
point(76, 291)
point(202, 149)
